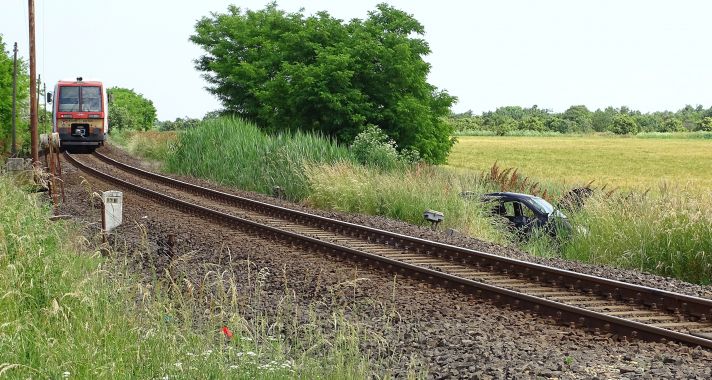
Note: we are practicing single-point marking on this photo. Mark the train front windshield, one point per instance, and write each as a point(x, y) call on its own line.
point(80, 99)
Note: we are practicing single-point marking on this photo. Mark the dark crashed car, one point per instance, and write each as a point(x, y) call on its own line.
point(524, 213)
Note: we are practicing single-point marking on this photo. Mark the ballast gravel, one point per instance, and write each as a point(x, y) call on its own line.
point(407, 327)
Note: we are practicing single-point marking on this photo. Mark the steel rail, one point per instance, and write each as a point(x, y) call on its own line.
point(655, 298)
point(559, 312)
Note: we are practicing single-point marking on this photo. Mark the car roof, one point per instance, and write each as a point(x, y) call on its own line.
point(508, 194)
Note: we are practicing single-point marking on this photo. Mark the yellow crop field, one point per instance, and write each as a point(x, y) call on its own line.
point(628, 163)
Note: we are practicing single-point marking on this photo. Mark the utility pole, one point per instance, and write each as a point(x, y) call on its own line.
point(44, 113)
point(34, 140)
point(14, 101)
point(39, 121)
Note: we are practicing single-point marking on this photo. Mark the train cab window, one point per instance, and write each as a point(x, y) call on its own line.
point(69, 99)
point(91, 99)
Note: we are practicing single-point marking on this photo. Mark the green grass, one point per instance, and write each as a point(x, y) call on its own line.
point(516, 132)
point(629, 163)
point(668, 232)
point(152, 145)
point(403, 195)
point(235, 152)
point(67, 312)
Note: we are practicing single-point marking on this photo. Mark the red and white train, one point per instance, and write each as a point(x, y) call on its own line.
point(80, 114)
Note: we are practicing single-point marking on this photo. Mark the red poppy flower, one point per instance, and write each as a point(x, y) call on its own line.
point(227, 332)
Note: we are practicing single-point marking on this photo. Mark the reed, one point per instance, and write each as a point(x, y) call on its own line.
point(235, 152)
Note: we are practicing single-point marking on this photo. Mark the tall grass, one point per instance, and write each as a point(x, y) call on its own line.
point(403, 195)
point(235, 152)
point(152, 145)
point(668, 232)
point(66, 312)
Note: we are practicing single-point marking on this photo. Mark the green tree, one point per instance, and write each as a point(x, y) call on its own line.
point(602, 121)
point(691, 117)
point(286, 71)
point(532, 123)
point(671, 124)
point(178, 125)
point(580, 118)
point(6, 68)
point(560, 125)
point(624, 124)
point(129, 110)
point(706, 124)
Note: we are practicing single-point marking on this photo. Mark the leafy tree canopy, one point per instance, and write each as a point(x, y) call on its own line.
point(624, 124)
point(129, 110)
point(286, 71)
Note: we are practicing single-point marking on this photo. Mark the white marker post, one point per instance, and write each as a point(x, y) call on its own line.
point(113, 204)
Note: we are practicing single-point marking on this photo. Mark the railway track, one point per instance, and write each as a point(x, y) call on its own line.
point(600, 305)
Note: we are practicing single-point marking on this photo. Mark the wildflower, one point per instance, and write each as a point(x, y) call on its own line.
point(227, 332)
point(65, 374)
point(179, 365)
point(248, 353)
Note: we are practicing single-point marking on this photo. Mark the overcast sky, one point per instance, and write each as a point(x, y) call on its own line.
point(648, 55)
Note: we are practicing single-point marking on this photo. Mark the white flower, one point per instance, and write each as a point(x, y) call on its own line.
point(65, 374)
point(179, 365)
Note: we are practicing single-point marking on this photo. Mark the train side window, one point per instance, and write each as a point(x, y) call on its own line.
point(69, 99)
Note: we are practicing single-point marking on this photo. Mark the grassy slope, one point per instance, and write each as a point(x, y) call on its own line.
point(616, 161)
point(66, 312)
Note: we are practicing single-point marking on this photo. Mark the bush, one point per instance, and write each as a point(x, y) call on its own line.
point(624, 125)
point(374, 148)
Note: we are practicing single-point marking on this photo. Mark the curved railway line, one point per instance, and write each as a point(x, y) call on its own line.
point(600, 305)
